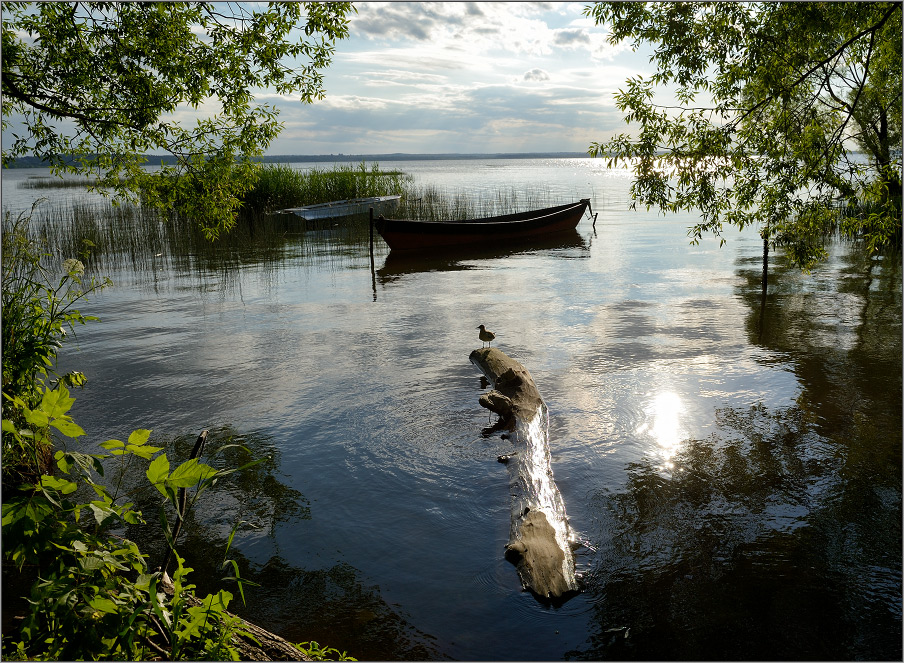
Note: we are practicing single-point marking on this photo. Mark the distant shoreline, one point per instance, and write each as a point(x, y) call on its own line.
point(37, 162)
point(402, 156)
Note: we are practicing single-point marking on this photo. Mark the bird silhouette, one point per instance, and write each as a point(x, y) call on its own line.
point(486, 335)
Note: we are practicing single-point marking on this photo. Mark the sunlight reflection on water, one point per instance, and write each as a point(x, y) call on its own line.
point(663, 425)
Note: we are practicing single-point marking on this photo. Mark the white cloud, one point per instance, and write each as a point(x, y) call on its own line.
point(536, 74)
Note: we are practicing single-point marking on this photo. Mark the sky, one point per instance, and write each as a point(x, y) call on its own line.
point(457, 77)
point(464, 77)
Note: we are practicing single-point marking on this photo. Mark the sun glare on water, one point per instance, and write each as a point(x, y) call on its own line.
point(663, 424)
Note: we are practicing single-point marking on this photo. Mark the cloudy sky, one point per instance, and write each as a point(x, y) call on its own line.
point(459, 77)
point(424, 77)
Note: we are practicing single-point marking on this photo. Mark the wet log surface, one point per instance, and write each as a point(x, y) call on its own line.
point(541, 539)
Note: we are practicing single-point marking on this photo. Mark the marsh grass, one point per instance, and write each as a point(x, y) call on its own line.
point(111, 238)
point(281, 186)
point(56, 183)
point(430, 203)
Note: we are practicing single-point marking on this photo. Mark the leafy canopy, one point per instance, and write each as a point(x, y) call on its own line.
point(773, 99)
point(106, 82)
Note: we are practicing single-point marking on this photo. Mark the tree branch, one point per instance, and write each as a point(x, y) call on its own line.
point(12, 89)
point(871, 30)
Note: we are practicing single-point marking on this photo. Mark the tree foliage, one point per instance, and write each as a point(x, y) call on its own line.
point(106, 83)
point(774, 100)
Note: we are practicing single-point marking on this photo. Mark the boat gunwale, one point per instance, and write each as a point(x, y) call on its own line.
point(501, 220)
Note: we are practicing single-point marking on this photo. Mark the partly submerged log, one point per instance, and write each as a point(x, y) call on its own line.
point(262, 645)
point(541, 540)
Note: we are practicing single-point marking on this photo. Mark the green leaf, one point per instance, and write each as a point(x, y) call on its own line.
point(91, 563)
point(57, 402)
point(102, 512)
point(62, 485)
point(190, 473)
point(67, 427)
point(157, 472)
point(131, 517)
point(36, 418)
point(112, 444)
point(145, 451)
point(139, 437)
point(104, 605)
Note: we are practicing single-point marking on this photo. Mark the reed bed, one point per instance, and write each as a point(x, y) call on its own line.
point(282, 186)
point(109, 238)
point(431, 203)
point(57, 183)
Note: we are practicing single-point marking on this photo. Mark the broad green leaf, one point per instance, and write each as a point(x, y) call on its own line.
point(190, 473)
point(67, 427)
point(139, 437)
point(158, 471)
point(145, 451)
point(36, 418)
point(64, 462)
point(112, 444)
point(143, 581)
point(62, 485)
point(102, 604)
point(91, 563)
point(101, 511)
point(57, 402)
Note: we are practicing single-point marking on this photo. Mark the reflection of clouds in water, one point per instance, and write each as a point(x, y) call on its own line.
point(663, 424)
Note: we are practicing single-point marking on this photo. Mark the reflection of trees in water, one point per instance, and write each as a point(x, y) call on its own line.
point(332, 606)
point(780, 535)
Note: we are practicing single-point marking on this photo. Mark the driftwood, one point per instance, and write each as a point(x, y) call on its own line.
point(269, 646)
point(541, 540)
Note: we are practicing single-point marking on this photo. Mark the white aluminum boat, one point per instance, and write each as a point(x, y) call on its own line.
point(345, 207)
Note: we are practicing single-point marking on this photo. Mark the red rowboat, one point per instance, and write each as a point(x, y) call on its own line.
point(407, 234)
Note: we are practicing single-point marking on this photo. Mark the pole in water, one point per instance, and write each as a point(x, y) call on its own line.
point(373, 269)
point(765, 284)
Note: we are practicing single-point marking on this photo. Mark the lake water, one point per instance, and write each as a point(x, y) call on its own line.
point(736, 481)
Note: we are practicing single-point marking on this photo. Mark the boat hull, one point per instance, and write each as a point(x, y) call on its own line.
point(407, 235)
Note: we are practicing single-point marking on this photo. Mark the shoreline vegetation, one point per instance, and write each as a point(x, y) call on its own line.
point(108, 236)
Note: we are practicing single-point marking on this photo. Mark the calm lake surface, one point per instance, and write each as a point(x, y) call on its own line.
point(736, 481)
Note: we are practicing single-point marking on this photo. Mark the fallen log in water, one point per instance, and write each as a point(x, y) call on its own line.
point(541, 540)
point(262, 645)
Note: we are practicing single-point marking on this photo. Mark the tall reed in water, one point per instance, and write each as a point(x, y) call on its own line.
point(281, 186)
point(33, 182)
point(430, 203)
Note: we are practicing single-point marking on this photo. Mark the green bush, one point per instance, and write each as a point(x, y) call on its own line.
point(86, 574)
point(38, 299)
